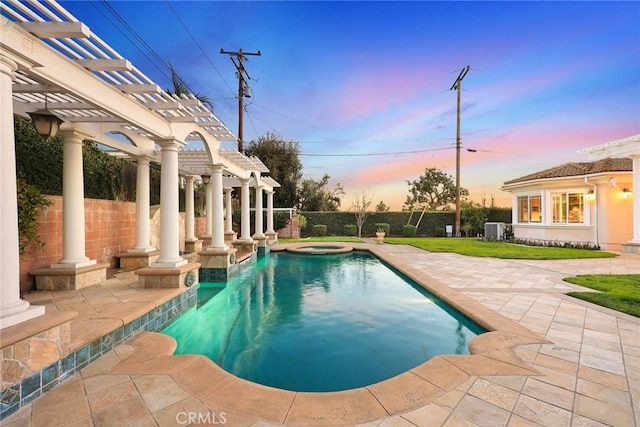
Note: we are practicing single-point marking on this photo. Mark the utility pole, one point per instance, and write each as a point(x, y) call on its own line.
point(244, 91)
point(457, 85)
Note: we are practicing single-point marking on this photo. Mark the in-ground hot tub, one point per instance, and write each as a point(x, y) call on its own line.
point(320, 249)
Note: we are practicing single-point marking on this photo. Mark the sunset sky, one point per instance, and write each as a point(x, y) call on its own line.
point(364, 87)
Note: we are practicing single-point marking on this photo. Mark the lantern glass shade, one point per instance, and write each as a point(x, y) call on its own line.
point(46, 123)
point(206, 179)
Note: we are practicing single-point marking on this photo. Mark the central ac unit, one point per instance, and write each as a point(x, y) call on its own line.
point(494, 230)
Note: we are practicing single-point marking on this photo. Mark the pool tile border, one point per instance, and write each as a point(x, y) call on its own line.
point(32, 387)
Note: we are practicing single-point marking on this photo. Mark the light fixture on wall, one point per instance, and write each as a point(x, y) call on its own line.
point(45, 122)
point(612, 182)
point(591, 195)
point(626, 193)
point(206, 178)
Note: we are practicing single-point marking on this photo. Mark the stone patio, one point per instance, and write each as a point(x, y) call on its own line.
point(555, 361)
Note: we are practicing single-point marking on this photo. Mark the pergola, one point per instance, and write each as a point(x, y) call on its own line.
point(48, 59)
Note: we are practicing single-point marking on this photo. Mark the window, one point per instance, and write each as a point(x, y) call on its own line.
point(568, 208)
point(529, 209)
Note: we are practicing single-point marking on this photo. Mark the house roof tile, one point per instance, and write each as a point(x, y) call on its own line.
point(579, 169)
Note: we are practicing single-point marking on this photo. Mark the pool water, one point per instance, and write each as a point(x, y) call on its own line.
point(319, 323)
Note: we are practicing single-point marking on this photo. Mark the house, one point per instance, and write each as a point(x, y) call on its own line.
point(585, 203)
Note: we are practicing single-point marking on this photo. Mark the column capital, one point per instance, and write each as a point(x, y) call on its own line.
point(70, 132)
point(8, 67)
point(168, 144)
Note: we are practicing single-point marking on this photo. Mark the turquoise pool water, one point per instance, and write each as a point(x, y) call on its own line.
point(319, 323)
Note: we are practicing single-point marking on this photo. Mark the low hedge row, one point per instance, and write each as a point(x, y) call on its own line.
point(431, 225)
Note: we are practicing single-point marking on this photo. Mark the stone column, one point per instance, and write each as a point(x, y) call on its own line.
point(636, 201)
point(217, 241)
point(13, 310)
point(73, 219)
point(169, 207)
point(270, 229)
point(228, 219)
point(258, 233)
point(208, 210)
point(245, 226)
point(142, 207)
point(189, 218)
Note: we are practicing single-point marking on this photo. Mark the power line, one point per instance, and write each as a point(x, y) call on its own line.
point(198, 44)
point(388, 153)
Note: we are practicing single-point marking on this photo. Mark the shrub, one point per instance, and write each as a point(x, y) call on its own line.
point(319, 230)
point(30, 203)
point(409, 230)
point(382, 226)
point(350, 230)
point(440, 232)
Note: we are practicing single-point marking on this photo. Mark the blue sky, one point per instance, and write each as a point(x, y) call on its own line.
point(364, 86)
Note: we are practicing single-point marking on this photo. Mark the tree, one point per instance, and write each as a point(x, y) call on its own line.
point(473, 216)
point(360, 208)
point(282, 158)
point(433, 189)
point(180, 88)
point(313, 196)
point(382, 207)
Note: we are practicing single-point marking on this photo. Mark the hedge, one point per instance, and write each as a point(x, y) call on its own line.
point(336, 221)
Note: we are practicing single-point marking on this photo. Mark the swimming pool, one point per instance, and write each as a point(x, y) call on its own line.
point(319, 323)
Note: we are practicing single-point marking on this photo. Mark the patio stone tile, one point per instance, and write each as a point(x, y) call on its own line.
point(441, 373)
point(541, 412)
point(97, 383)
point(604, 378)
point(548, 393)
point(518, 421)
point(127, 412)
point(101, 366)
point(173, 415)
point(430, 414)
point(112, 396)
point(556, 364)
point(559, 379)
point(457, 421)
point(602, 364)
point(346, 407)
point(70, 409)
point(560, 352)
point(580, 421)
point(613, 356)
point(395, 421)
point(159, 391)
point(513, 382)
point(493, 393)
point(632, 361)
point(603, 393)
point(603, 412)
point(481, 412)
point(70, 390)
point(451, 399)
point(574, 334)
point(599, 336)
point(404, 392)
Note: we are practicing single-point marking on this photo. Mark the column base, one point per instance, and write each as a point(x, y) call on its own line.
point(78, 264)
point(30, 313)
point(245, 246)
point(272, 236)
point(631, 247)
point(183, 276)
point(134, 259)
point(50, 279)
point(230, 236)
point(192, 245)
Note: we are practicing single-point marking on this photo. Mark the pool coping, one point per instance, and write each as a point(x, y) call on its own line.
point(492, 353)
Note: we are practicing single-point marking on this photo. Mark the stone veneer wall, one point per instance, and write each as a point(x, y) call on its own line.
point(37, 364)
point(110, 228)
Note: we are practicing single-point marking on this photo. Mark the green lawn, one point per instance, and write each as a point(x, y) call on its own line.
point(619, 292)
point(481, 248)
